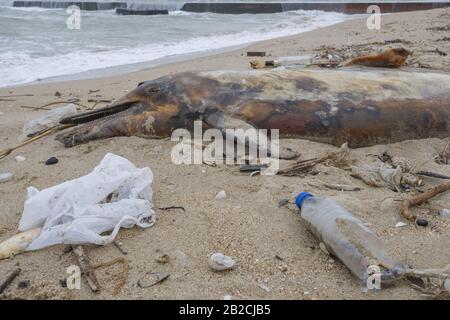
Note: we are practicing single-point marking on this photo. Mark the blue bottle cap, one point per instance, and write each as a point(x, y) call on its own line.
point(301, 197)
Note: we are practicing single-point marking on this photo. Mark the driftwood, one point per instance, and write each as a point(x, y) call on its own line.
point(17, 95)
point(432, 174)
point(338, 158)
point(341, 187)
point(86, 269)
point(9, 279)
point(119, 247)
point(419, 199)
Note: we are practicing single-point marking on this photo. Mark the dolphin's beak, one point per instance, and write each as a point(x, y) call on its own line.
point(115, 107)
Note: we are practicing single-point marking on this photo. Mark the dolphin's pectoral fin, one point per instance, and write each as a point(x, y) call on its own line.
point(223, 122)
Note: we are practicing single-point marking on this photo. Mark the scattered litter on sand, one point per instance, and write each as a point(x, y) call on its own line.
point(115, 194)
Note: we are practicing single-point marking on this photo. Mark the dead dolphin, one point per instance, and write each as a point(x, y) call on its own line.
point(362, 107)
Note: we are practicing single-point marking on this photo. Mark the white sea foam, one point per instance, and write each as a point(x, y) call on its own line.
point(107, 40)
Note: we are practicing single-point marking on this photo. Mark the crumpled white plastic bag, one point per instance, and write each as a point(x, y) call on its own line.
point(115, 194)
point(47, 120)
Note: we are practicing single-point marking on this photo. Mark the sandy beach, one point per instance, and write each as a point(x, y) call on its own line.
point(270, 245)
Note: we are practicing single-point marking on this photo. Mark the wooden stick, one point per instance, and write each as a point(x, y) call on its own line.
point(57, 102)
point(432, 174)
point(9, 279)
point(341, 187)
point(419, 199)
point(34, 108)
point(17, 95)
point(86, 269)
point(119, 247)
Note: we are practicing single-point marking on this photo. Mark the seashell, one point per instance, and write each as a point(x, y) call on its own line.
point(18, 243)
point(5, 177)
point(220, 262)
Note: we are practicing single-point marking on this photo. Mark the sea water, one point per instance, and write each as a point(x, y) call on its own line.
point(36, 43)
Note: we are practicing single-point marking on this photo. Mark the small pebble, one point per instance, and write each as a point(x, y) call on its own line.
point(422, 222)
point(400, 224)
point(23, 284)
point(227, 297)
point(445, 213)
point(163, 259)
point(283, 268)
point(323, 248)
point(221, 195)
point(4, 177)
point(63, 283)
point(20, 158)
point(283, 202)
point(52, 160)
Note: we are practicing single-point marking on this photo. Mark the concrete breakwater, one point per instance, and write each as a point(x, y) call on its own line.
point(84, 5)
point(242, 7)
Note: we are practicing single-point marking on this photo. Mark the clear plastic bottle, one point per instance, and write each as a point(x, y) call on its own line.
point(346, 237)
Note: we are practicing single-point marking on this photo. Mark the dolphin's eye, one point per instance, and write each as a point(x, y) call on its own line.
point(152, 90)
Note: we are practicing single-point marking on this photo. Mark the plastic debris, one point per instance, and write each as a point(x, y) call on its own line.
point(221, 195)
point(20, 158)
point(115, 194)
point(5, 177)
point(346, 237)
point(263, 286)
point(220, 262)
point(47, 120)
point(444, 213)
